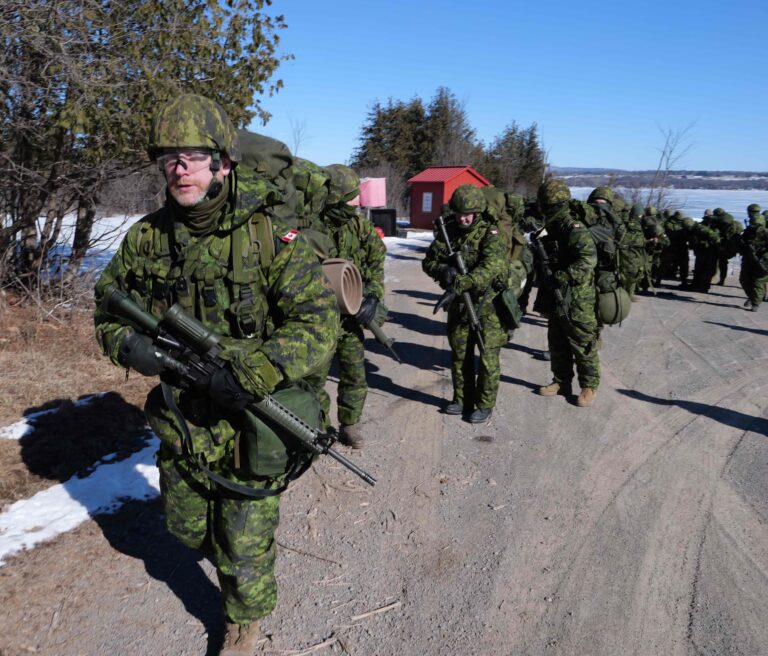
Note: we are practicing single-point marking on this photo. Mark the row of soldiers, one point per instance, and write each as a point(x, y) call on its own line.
point(590, 258)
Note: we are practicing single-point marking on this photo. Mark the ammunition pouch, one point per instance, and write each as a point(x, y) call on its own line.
point(263, 449)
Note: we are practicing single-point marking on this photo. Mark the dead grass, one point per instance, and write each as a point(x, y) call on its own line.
point(49, 365)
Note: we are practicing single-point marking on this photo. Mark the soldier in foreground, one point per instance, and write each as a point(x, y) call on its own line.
point(206, 250)
point(484, 254)
point(572, 329)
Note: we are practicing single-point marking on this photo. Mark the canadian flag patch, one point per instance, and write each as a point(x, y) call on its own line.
point(290, 235)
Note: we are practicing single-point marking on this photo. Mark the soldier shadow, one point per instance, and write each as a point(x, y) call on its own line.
point(419, 248)
point(418, 324)
point(384, 384)
point(417, 293)
point(745, 329)
point(67, 441)
point(398, 256)
point(671, 296)
point(726, 416)
point(519, 382)
point(422, 356)
point(536, 354)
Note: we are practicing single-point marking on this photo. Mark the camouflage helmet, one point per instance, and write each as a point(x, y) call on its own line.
point(345, 184)
point(651, 210)
point(719, 211)
point(619, 203)
point(708, 212)
point(552, 192)
point(601, 193)
point(515, 204)
point(688, 222)
point(636, 211)
point(757, 219)
point(192, 121)
point(678, 215)
point(468, 199)
point(667, 213)
point(754, 208)
point(495, 202)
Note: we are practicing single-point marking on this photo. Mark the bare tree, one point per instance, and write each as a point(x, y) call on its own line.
point(676, 145)
point(298, 135)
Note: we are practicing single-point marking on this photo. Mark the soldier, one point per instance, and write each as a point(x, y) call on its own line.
point(754, 261)
point(353, 238)
point(729, 229)
point(655, 242)
point(674, 257)
point(483, 250)
point(704, 240)
point(633, 258)
point(206, 249)
point(572, 332)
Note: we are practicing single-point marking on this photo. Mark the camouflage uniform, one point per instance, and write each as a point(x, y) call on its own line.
point(704, 241)
point(674, 257)
point(278, 320)
point(573, 340)
point(729, 229)
point(655, 242)
point(632, 256)
point(352, 238)
point(484, 253)
point(754, 249)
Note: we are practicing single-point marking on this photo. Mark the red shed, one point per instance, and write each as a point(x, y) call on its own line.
point(433, 187)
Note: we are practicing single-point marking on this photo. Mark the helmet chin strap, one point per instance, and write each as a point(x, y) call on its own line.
point(214, 189)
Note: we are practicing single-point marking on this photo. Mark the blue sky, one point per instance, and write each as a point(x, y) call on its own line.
point(600, 79)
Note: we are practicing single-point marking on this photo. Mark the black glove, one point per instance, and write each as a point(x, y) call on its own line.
point(367, 310)
point(139, 353)
point(227, 392)
point(447, 276)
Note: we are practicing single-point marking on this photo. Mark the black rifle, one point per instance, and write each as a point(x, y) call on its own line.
point(448, 296)
point(195, 358)
point(547, 275)
point(382, 339)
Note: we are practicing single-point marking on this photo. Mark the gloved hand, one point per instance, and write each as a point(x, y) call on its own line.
point(367, 310)
point(447, 276)
point(463, 283)
point(252, 369)
point(139, 353)
point(227, 392)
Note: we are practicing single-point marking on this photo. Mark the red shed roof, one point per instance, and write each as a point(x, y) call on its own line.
point(445, 173)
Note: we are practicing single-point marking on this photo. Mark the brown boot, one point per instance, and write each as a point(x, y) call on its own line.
point(351, 436)
point(586, 398)
point(555, 388)
point(241, 639)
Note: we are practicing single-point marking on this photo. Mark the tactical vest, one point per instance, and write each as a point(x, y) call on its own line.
point(219, 278)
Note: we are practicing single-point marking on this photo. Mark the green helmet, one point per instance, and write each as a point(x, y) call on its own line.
point(667, 213)
point(192, 121)
point(636, 211)
point(688, 222)
point(601, 193)
point(651, 211)
point(678, 215)
point(619, 203)
point(468, 199)
point(552, 192)
point(754, 208)
point(345, 184)
point(708, 212)
point(757, 219)
point(495, 202)
point(719, 211)
point(515, 204)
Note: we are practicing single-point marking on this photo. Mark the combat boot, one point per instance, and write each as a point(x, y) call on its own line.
point(479, 416)
point(586, 398)
point(555, 388)
point(241, 639)
point(453, 408)
point(351, 436)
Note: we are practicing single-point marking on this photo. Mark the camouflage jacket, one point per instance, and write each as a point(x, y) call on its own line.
point(571, 249)
point(282, 311)
point(482, 249)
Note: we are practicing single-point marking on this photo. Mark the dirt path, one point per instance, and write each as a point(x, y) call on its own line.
point(639, 526)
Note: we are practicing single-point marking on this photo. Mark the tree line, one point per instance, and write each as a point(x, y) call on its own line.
point(401, 138)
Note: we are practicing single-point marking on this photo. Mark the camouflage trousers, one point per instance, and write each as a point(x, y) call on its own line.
point(353, 387)
point(475, 388)
point(752, 283)
point(577, 343)
point(237, 533)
